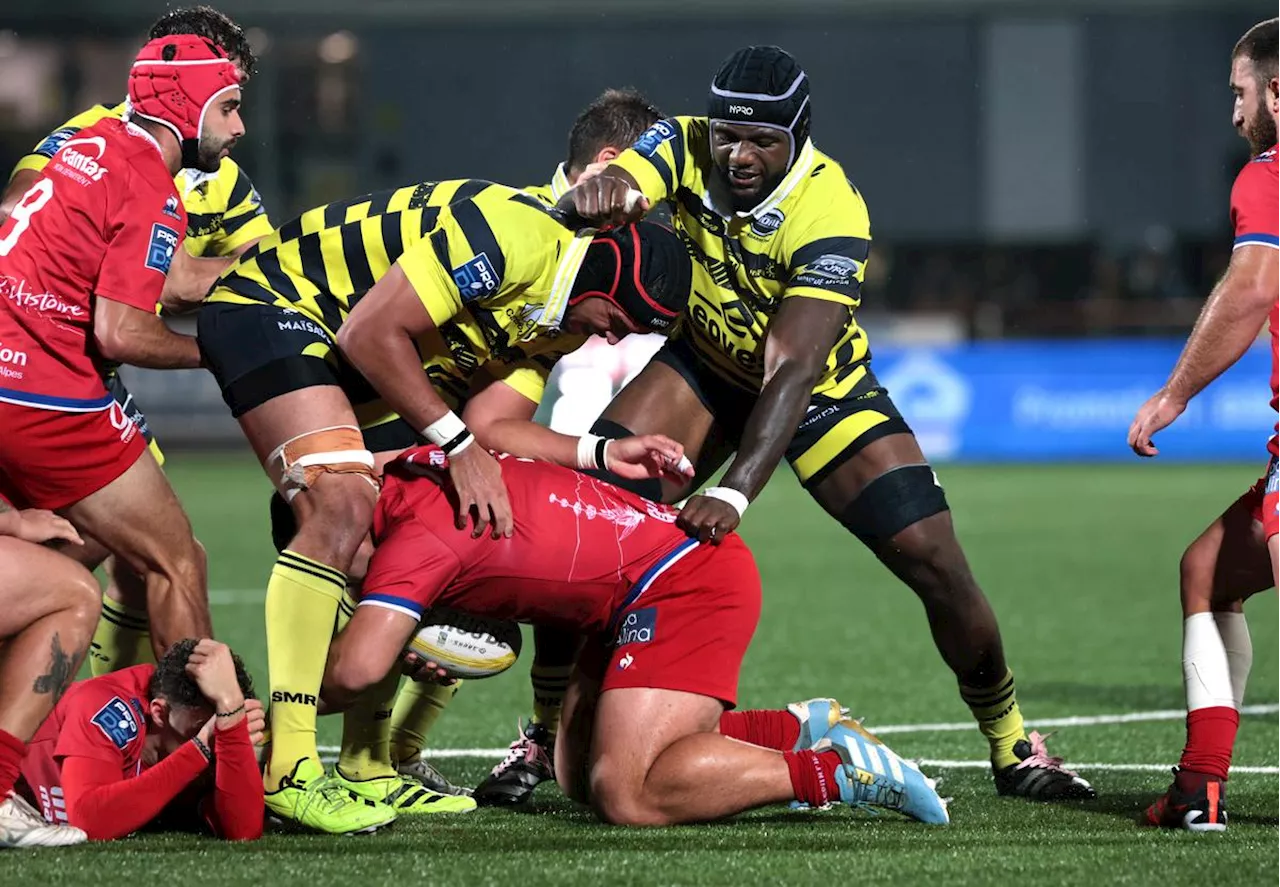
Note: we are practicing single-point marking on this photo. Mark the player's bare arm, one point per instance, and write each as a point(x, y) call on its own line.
point(610, 198)
point(1228, 324)
point(36, 525)
point(126, 334)
point(800, 337)
point(19, 185)
point(191, 277)
point(378, 339)
point(501, 418)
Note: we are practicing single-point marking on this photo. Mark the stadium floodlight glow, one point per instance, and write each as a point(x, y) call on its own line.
point(338, 47)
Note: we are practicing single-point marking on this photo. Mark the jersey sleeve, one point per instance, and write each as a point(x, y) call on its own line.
point(659, 159)
point(244, 219)
point(477, 256)
point(411, 565)
point(1253, 205)
point(51, 144)
point(826, 253)
point(101, 726)
point(142, 239)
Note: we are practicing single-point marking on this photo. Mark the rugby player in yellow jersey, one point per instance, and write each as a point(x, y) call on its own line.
point(473, 291)
point(224, 217)
point(770, 361)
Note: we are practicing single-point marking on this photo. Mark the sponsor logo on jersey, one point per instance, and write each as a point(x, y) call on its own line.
point(19, 292)
point(653, 137)
point(54, 141)
point(638, 627)
point(171, 206)
point(625, 662)
point(121, 421)
point(303, 325)
point(768, 223)
point(476, 278)
point(1273, 478)
point(83, 155)
point(117, 722)
point(164, 241)
point(829, 270)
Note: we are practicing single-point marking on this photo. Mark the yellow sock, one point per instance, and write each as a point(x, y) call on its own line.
point(417, 708)
point(122, 638)
point(302, 604)
point(549, 685)
point(366, 732)
point(999, 718)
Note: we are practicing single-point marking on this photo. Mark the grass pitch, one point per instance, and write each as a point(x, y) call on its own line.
point(1080, 563)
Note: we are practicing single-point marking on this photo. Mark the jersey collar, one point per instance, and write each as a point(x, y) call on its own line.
point(559, 183)
point(799, 172)
point(135, 130)
point(551, 313)
point(194, 178)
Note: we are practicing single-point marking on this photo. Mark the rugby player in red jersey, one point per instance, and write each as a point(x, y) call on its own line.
point(175, 738)
point(48, 606)
point(1236, 556)
point(667, 619)
point(83, 260)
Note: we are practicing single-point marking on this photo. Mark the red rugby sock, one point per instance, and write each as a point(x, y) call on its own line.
point(777, 729)
point(813, 776)
point(12, 751)
point(1211, 735)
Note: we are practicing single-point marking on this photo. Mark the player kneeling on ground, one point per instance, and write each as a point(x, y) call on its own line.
point(175, 738)
point(645, 737)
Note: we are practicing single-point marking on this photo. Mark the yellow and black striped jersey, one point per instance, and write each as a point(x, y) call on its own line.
point(491, 266)
point(224, 210)
point(809, 238)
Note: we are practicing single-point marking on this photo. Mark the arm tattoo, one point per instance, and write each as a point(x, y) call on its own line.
point(62, 670)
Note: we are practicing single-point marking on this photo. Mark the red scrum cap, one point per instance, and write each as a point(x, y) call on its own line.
point(174, 80)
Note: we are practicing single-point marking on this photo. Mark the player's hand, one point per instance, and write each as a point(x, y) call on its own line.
point(206, 733)
point(648, 456)
point(607, 201)
point(424, 671)
point(214, 672)
point(38, 526)
point(708, 519)
point(481, 493)
point(1155, 415)
point(256, 716)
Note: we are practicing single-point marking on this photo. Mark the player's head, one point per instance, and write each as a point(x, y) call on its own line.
point(187, 84)
point(633, 279)
point(759, 113)
point(177, 708)
point(606, 128)
point(1253, 80)
point(207, 22)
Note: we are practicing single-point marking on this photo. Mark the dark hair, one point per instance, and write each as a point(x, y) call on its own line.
point(1258, 45)
point(207, 22)
point(616, 119)
point(172, 683)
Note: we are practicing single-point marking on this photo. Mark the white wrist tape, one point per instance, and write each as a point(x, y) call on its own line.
point(449, 434)
point(591, 452)
point(730, 495)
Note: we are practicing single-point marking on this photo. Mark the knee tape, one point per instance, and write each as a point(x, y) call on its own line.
point(650, 487)
point(337, 450)
point(894, 501)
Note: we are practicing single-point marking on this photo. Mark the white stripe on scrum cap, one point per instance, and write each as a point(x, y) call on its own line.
point(760, 96)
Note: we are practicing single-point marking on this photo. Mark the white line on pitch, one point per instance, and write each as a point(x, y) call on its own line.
point(1171, 714)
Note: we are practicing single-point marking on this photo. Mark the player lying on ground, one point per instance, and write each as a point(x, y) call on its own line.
point(224, 218)
point(83, 258)
point(167, 744)
point(48, 606)
point(770, 362)
point(407, 301)
point(668, 621)
point(1237, 555)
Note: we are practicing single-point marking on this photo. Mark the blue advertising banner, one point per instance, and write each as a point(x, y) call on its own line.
point(1059, 400)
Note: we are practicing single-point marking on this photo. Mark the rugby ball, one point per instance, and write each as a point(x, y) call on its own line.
point(466, 646)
